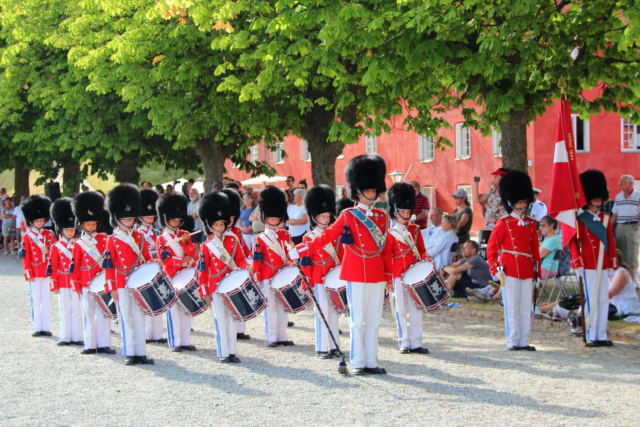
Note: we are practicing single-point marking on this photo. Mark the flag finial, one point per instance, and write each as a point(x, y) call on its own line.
point(562, 84)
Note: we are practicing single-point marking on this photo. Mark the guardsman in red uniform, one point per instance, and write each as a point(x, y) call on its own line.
point(221, 254)
point(153, 325)
point(269, 256)
point(407, 248)
point(36, 245)
point(596, 239)
point(513, 252)
point(236, 202)
point(177, 252)
point(320, 203)
point(60, 262)
point(88, 251)
point(363, 230)
point(126, 250)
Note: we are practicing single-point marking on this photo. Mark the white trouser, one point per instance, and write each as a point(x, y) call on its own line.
point(153, 327)
point(408, 318)
point(40, 304)
point(178, 327)
point(242, 327)
point(324, 342)
point(365, 313)
point(131, 325)
point(70, 315)
point(598, 330)
point(226, 328)
point(97, 327)
point(517, 298)
point(275, 318)
point(249, 239)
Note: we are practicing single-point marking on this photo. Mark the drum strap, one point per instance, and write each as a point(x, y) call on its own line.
point(62, 247)
point(377, 235)
point(329, 248)
point(407, 240)
point(35, 238)
point(216, 246)
point(146, 232)
point(90, 249)
point(174, 243)
point(274, 245)
point(131, 241)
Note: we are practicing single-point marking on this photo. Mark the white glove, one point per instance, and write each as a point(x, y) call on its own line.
point(293, 253)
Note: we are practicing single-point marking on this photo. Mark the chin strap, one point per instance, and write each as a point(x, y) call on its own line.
point(368, 199)
point(397, 211)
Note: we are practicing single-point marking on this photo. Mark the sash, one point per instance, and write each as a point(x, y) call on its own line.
point(407, 240)
point(221, 252)
point(595, 226)
point(375, 232)
point(132, 244)
point(63, 248)
point(275, 246)
point(34, 238)
point(176, 246)
point(91, 250)
point(150, 241)
point(328, 247)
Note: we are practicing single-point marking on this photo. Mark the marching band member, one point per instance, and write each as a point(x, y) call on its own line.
point(320, 204)
point(60, 262)
point(220, 255)
point(153, 325)
point(126, 250)
point(269, 256)
point(595, 234)
point(407, 248)
point(512, 252)
point(88, 251)
point(37, 243)
point(363, 230)
point(177, 252)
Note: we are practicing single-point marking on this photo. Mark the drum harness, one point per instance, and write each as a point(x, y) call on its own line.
point(133, 245)
point(91, 250)
point(230, 264)
point(35, 238)
point(378, 236)
point(273, 246)
point(63, 248)
point(411, 244)
point(329, 248)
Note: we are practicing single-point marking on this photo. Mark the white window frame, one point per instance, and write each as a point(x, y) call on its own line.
point(586, 125)
point(625, 125)
point(426, 149)
point(463, 142)
point(278, 159)
point(469, 190)
point(430, 193)
point(496, 138)
point(254, 154)
point(305, 155)
point(371, 144)
point(339, 191)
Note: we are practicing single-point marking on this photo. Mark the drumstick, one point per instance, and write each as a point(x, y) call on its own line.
point(180, 238)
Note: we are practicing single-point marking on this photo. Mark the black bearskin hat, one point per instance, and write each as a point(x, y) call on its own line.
point(173, 206)
point(214, 207)
point(401, 196)
point(365, 172)
point(36, 207)
point(594, 185)
point(148, 200)
point(188, 224)
point(89, 206)
point(515, 186)
point(62, 214)
point(123, 201)
point(319, 200)
point(343, 204)
point(273, 204)
point(235, 200)
point(104, 226)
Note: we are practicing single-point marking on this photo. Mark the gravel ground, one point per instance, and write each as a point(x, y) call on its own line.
point(469, 377)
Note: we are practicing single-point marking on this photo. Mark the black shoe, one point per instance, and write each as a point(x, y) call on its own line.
point(234, 358)
point(290, 324)
point(272, 344)
point(63, 343)
point(604, 343)
point(592, 344)
point(77, 342)
point(46, 334)
point(419, 350)
point(404, 350)
point(243, 336)
point(89, 351)
point(176, 349)
point(358, 371)
point(224, 360)
point(286, 343)
point(130, 360)
point(334, 353)
point(150, 341)
point(375, 371)
point(188, 347)
point(144, 360)
point(106, 350)
point(527, 348)
point(513, 348)
point(162, 341)
point(324, 355)
point(36, 334)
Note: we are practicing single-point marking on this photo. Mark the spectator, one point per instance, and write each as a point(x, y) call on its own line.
point(433, 232)
point(464, 214)
point(550, 245)
point(257, 225)
point(345, 195)
point(3, 194)
point(234, 185)
point(191, 183)
point(421, 211)
point(626, 214)
point(471, 272)
point(289, 196)
point(245, 222)
point(159, 189)
point(192, 209)
point(177, 187)
point(298, 220)
point(622, 290)
point(303, 184)
point(382, 202)
point(441, 249)
point(491, 198)
point(17, 212)
point(249, 190)
point(538, 209)
point(226, 181)
point(8, 226)
point(146, 185)
point(291, 183)
point(169, 190)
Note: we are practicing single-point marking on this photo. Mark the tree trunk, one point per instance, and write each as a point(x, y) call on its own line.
point(127, 170)
point(21, 181)
point(323, 158)
point(514, 141)
point(71, 177)
point(213, 154)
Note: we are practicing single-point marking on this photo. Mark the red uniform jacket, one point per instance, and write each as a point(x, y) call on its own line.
point(216, 269)
point(124, 258)
point(150, 234)
point(321, 261)
point(587, 255)
point(363, 260)
point(34, 262)
point(507, 237)
point(60, 259)
point(243, 245)
point(173, 264)
point(267, 261)
point(402, 256)
point(87, 259)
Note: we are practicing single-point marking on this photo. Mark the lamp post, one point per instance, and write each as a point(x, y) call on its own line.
point(396, 176)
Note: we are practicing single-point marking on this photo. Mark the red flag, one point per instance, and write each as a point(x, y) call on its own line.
point(566, 189)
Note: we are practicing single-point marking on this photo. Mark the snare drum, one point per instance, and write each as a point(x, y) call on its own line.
point(151, 289)
point(424, 286)
point(102, 298)
point(242, 297)
point(287, 287)
point(186, 285)
point(337, 290)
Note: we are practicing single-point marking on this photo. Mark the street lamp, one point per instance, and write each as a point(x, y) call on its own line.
point(396, 176)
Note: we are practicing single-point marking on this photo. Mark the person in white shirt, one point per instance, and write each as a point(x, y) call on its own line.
point(19, 221)
point(622, 290)
point(433, 232)
point(440, 252)
point(626, 217)
point(298, 220)
point(538, 209)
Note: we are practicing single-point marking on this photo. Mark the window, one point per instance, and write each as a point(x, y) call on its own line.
point(463, 141)
point(467, 188)
point(277, 154)
point(304, 151)
point(426, 149)
point(580, 133)
point(430, 193)
point(372, 144)
point(339, 191)
point(497, 139)
point(630, 137)
point(254, 154)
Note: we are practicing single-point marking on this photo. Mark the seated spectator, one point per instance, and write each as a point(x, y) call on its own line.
point(464, 214)
point(622, 290)
point(550, 245)
point(471, 272)
point(245, 222)
point(8, 226)
point(441, 249)
point(434, 231)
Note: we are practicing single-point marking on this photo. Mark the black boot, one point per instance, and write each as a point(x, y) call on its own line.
point(130, 360)
point(106, 350)
point(63, 343)
point(375, 371)
point(234, 358)
point(144, 360)
point(188, 347)
point(324, 355)
point(89, 351)
point(243, 336)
